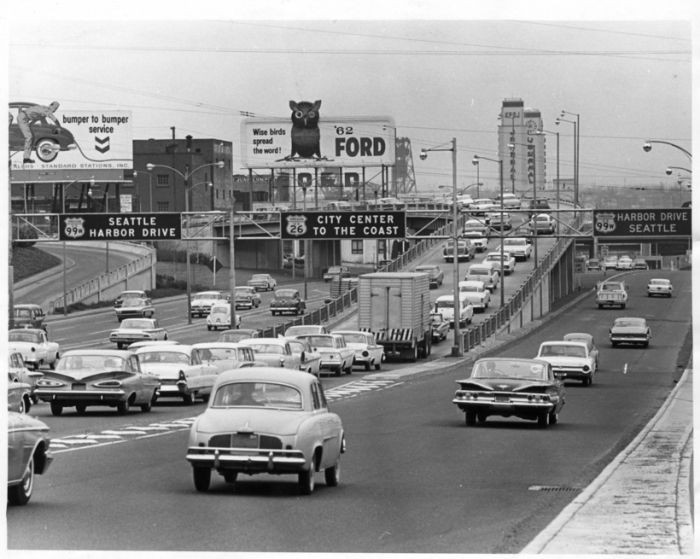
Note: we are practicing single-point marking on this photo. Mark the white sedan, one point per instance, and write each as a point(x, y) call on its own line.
point(133, 330)
point(336, 356)
point(226, 355)
point(309, 358)
point(34, 346)
point(273, 352)
point(659, 286)
point(368, 353)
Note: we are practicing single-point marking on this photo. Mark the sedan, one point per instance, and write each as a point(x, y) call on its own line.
point(246, 297)
point(264, 420)
point(220, 316)
point(203, 301)
point(505, 386)
point(589, 341)
point(569, 360)
point(435, 275)
point(19, 395)
point(135, 307)
point(48, 138)
point(262, 282)
point(238, 334)
point(542, 223)
point(134, 330)
point(624, 262)
point(640, 264)
point(226, 355)
point(309, 358)
point(368, 353)
point(274, 352)
point(98, 377)
point(336, 356)
point(34, 346)
point(659, 286)
point(180, 369)
point(440, 326)
point(508, 261)
point(27, 455)
point(18, 371)
point(630, 330)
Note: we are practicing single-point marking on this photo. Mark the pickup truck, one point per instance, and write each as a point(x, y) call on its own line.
point(518, 247)
point(611, 294)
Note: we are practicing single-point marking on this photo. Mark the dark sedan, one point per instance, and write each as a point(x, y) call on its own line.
point(27, 455)
point(524, 388)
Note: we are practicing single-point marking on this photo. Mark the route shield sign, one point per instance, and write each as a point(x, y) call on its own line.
point(343, 225)
point(642, 223)
point(120, 227)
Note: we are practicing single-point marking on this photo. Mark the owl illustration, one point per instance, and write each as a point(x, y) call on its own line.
point(306, 137)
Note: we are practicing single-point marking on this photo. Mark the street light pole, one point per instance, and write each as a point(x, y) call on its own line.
point(647, 147)
point(458, 346)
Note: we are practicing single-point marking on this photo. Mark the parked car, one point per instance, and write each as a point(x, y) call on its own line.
point(519, 247)
point(368, 353)
point(238, 335)
point(624, 262)
point(336, 356)
point(640, 264)
point(273, 352)
point(569, 360)
point(264, 420)
point(203, 301)
point(611, 294)
point(659, 286)
point(181, 371)
point(542, 223)
point(17, 370)
point(508, 261)
point(135, 307)
point(630, 330)
point(508, 386)
point(262, 282)
point(98, 377)
point(287, 300)
point(593, 265)
point(435, 275)
point(220, 316)
point(19, 395)
point(476, 293)
point(445, 306)
point(28, 455)
point(440, 326)
point(488, 272)
point(336, 272)
point(129, 294)
point(246, 297)
point(226, 355)
point(589, 341)
point(303, 329)
point(34, 346)
point(136, 330)
point(28, 315)
point(309, 358)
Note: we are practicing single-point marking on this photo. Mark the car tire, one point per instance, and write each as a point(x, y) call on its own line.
point(481, 417)
point(147, 406)
point(338, 371)
point(188, 398)
point(378, 365)
point(123, 407)
point(332, 475)
point(553, 417)
point(307, 481)
point(208, 327)
point(21, 493)
point(470, 418)
point(47, 150)
point(80, 408)
point(543, 420)
point(56, 408)
point(120, 345)
point(230, 477)
point(202, 478)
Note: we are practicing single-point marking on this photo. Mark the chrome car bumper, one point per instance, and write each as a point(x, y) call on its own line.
point(249, 460)
point(80, 396)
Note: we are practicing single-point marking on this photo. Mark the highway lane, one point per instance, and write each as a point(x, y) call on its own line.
point(415, 479)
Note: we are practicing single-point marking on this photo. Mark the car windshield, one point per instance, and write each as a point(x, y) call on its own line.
point(207, 295)
point(286, 293)
point(354, 338)
point(516, 242)
point(220, 353)
point(234, 336)
point(220, 309)
point(523, 370)
point(25, 336)
point(244, 291)
point(164, 357)
point(301, 330)
point(478, 272)
point(611, 287)
point(659, 282)
point(626, 322)
point(268, 348)
point(133, 302)
point(320, 341)
point(258, 277)
point(444, 304)
point(562, 350)
point(257, 394)
point(136, 323)
point(469, 288)
point(90, 361)
point(22, 313)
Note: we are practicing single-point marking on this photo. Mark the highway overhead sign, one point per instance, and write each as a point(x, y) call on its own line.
point(343, 225)
point(642, 222)
point(120, 227)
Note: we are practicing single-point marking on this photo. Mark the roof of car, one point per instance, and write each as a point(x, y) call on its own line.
point(270, 374)
point(180, 348)
point(109, 352)
point(564, 342)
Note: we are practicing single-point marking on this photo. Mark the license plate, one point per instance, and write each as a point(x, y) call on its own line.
point(78, 386)
point(502, 398)
point(244, 441)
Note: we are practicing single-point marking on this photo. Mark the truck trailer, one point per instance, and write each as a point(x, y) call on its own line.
point(395, 307)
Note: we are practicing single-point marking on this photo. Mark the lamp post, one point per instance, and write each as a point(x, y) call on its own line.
point(458, 345)
point(647, 147)
point(475, 162)
point(500, 229)
point(576, 162)
point(186, 176)
point(150, 188)
point(670, 167)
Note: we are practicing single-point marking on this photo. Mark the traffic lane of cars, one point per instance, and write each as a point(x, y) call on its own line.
point(410, 424)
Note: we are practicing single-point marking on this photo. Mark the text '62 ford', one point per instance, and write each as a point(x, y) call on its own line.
point(266, 420)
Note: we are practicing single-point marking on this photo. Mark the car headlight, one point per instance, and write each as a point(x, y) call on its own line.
point(586, 368)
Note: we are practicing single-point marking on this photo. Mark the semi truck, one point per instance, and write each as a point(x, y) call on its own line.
point(395, 307)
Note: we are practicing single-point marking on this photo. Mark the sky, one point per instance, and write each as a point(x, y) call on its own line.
point(441, 70)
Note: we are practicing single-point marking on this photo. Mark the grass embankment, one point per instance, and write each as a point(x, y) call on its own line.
point(29, 261)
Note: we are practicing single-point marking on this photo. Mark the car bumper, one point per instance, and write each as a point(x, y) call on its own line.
point(492, 407)
point(664, 292)
point(248, 460)
point(627, 339)
point(571, 373)
point(130, 339)
point(69, 397)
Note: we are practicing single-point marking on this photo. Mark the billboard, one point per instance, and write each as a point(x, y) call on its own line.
point(120, 227)
point(343, 225)
point(47, 144)
point(642, 222)
point(269, 143)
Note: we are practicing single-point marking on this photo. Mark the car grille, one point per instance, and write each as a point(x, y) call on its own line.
point(245, 440)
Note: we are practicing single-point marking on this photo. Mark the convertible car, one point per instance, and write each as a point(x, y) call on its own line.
point(27, 455)
point(265, 420)
point(98, 377)
point(505, 386)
